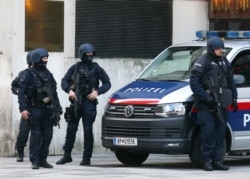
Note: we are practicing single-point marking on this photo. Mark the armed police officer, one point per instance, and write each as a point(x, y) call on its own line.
point(81, 82)
point(24, 127)
point(214, 90)
point(35, 105)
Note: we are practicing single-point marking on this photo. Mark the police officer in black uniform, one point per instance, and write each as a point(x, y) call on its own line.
point(81, 82)
point(24, 127)
point(210, 73)
point(35, 106)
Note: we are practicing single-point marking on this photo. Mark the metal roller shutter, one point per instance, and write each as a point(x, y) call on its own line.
point(137, 29)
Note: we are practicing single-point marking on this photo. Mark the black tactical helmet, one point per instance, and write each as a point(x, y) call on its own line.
point(214, 43)
point(85, 48)
point(38, 54)
point(28, 57)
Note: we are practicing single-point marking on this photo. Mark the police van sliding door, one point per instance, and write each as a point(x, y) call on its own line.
point(240, 121)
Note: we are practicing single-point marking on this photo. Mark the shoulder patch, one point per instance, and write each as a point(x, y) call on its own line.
point(23, 77)
point(197, 64)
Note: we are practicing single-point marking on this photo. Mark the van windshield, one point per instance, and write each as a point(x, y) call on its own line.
point(173, 64)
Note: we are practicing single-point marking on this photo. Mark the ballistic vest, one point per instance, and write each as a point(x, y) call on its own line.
point(87, 79)
point(41, 79)
point(219, 71)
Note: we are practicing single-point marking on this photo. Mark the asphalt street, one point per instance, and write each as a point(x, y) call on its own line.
point(106, 166)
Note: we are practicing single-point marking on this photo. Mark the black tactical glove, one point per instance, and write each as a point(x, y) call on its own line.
point(60, 110)
point(234, 105)
point(210, 101)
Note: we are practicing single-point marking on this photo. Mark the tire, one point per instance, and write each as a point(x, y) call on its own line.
point(129, 158)
point(195, 154)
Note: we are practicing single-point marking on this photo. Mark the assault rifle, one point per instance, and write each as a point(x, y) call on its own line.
point(215, 93)
point(78, 94)
point(82, 89)
point(56, 111)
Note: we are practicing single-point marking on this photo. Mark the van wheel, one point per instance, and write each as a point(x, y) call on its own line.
point(129, 158)
point(195, 154)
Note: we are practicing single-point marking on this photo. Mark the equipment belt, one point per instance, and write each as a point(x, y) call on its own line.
point(40, 104)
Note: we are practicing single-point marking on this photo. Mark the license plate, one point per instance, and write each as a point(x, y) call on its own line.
point(125, 141)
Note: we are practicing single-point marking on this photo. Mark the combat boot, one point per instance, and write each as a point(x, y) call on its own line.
point(85, 161)
point(19, 157)
point(208, 166)
point(35, 165)
point(218, 165)
point(45, 164)
point(66, 158)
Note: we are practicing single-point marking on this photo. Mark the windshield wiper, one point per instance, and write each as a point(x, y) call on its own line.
point(143, 79)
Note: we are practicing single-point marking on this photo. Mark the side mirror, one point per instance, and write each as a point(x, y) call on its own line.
point(239, 79)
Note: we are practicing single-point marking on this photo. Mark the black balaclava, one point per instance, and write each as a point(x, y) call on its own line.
point(41, 65)
point(87, 59)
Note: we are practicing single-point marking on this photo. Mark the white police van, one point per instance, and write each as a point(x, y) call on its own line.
point(152, 113)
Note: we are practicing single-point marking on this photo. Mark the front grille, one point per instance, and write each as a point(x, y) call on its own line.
point(140, 111)
point(126, 131)
point(157, 132)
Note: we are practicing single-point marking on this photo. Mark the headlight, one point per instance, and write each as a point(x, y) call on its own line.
point(171, 109)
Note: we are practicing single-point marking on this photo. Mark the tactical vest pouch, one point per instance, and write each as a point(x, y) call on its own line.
point(226, 97)
point(14, 85)
point(69, 113)
point(46, 100)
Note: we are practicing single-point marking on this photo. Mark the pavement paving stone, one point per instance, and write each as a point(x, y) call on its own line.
point(106, 166)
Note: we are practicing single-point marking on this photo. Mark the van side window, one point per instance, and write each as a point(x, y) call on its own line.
point(241, 65)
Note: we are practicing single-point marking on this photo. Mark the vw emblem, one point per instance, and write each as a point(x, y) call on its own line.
point(128, 111)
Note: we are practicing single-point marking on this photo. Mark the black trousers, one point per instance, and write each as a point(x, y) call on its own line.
point(23, 135)
point(87, 112)
point(212, 133)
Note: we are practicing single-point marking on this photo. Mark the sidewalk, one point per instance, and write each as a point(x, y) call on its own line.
point(106, 166)
point(10, 169)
